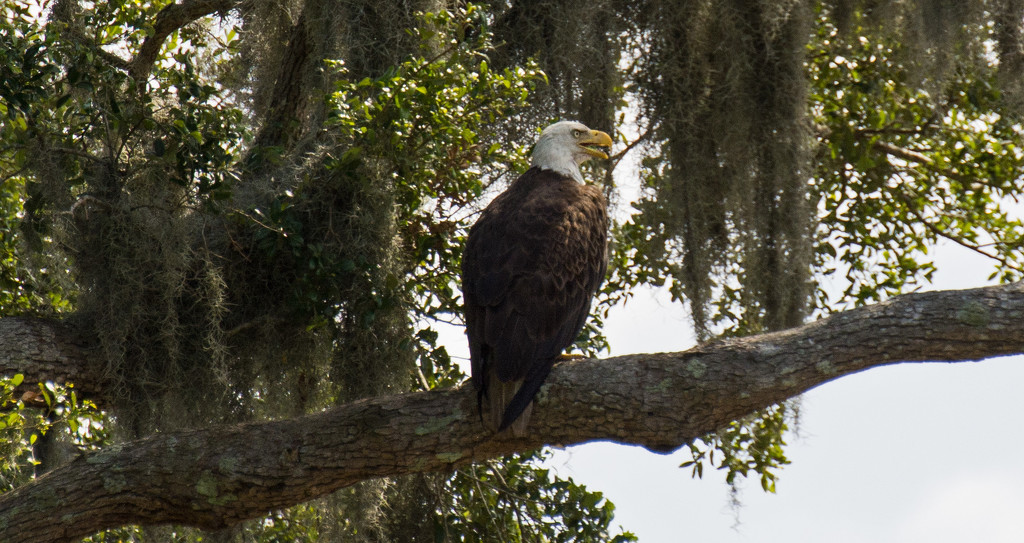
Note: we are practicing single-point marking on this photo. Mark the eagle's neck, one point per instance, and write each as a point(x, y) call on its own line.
point(564, 163)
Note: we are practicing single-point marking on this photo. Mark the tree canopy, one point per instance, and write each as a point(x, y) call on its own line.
point(227, 219)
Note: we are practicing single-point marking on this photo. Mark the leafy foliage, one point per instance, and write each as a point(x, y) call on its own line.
point(27, 418)
point(423, 129)
point(750, 445)
point(904, 163)
point(521, 502)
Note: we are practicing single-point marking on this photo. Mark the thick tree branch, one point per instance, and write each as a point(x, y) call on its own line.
point(46, 350)
point(288, 97)
point(216, 477)
point(169, 19)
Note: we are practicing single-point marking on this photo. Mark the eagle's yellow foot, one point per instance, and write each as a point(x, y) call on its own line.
point(567, 356)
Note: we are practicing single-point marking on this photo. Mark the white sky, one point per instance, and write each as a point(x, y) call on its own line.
point(906, 453)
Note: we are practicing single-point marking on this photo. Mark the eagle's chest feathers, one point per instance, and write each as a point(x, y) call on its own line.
point(567, 224)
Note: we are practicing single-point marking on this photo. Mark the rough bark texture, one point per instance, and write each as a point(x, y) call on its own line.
point(216, 477)
point(45, 350)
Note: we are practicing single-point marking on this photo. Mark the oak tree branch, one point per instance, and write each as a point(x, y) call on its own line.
point(169, 19)
point(216, 477)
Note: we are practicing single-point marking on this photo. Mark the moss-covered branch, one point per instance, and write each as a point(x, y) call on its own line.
point(216, 477)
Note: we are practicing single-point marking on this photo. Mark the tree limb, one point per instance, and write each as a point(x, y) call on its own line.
point(900, 152)
point(216, 477)
point(47, 350)
point(169, 19)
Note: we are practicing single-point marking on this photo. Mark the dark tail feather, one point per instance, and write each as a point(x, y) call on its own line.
point(531, 385)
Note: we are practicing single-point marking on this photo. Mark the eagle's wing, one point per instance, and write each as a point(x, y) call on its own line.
point(531, 267)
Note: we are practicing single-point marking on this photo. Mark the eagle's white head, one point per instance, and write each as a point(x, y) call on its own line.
point(563, 146)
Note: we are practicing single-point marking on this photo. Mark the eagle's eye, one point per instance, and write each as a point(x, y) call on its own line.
point(576, 133)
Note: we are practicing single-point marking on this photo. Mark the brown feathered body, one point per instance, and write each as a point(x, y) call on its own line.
point(533, 262)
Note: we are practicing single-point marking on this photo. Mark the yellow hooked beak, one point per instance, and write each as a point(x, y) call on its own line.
point(589, 141)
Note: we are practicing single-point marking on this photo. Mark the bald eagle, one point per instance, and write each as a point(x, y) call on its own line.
point(533, 262)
